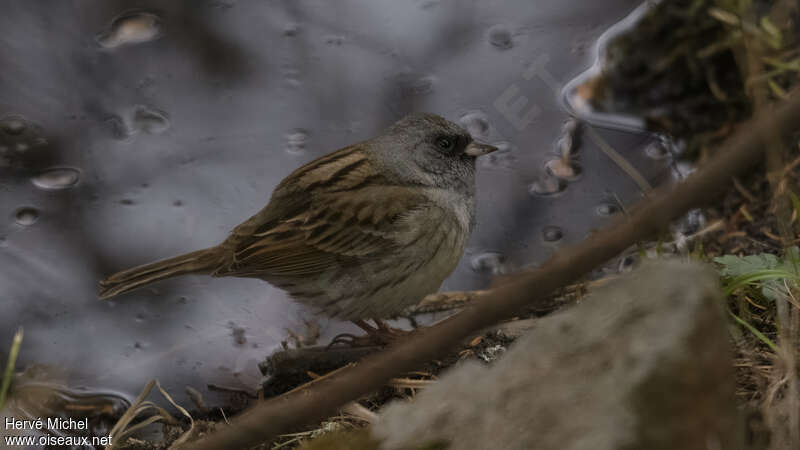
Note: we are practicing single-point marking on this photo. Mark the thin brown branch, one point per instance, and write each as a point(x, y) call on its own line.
point(741, 151)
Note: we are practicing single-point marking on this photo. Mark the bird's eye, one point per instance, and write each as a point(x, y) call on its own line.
point(444, 143)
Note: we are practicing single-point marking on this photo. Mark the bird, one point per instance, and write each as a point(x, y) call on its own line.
point(361, 233)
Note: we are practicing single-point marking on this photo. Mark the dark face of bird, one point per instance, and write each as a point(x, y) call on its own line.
point(430, 150)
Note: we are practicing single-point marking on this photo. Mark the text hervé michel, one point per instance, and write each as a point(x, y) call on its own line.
point(51, 423)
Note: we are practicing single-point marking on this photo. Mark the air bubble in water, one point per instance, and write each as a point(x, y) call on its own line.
point(57, 178)
point(606, 209)
point(150, 120)
point(134, 27)
point(476, 123)
point(26, 216)
point(552, 233)
point(296, 141)
point(488, 262)
point(500, 37)
point(547, 186)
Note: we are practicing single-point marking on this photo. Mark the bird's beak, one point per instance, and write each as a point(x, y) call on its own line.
point(477, 149)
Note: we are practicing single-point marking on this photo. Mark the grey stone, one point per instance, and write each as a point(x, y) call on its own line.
point(643, 363)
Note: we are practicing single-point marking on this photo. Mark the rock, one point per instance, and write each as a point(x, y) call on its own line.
point(643, 363)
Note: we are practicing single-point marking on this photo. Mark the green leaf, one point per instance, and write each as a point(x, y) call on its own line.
point(734, 266)
point(771, 287)
point(764, 270)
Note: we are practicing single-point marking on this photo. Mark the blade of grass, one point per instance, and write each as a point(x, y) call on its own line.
point(755, 332)
point(758, 275)
point(12, 361)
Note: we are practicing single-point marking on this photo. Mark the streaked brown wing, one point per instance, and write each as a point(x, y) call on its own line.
point(342, 212)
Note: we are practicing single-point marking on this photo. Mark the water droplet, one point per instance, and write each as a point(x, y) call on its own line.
point(126, 201)
point(500, 37)
point(476, 123)
point(503, 158)
point(547, 186)
point(133, 27)
point(57, 178)
point(566, 170)
point(13, 125)
point(150, 120)
point(296, 141)
point(177, 203)
point(552, 233)
point(139, 318)
point(21, 147)
point(3, 241)
point(488, 262)
point(606, 209)
point(26, 216)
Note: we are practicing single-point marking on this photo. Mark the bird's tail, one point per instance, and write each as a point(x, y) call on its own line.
point(201, 261)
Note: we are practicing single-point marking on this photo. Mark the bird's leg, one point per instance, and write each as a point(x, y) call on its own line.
point(372, 337)
point(381, 334)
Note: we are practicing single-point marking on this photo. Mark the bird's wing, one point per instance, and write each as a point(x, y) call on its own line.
point(334, 211)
